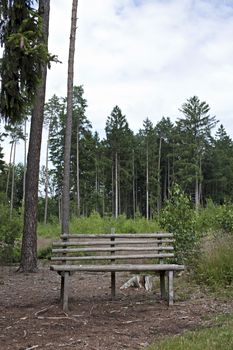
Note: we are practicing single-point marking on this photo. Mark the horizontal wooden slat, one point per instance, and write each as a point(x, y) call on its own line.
point(112, 257)
point(115, 242)
point(111, 249)
point(117, 268)
point(119, 235)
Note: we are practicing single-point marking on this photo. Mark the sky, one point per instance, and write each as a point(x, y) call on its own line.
point(146, 56)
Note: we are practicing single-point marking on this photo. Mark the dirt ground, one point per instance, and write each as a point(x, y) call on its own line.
point(31, 317)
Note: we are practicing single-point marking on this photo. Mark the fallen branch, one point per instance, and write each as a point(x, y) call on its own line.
point(43, 310)
point(32, 347)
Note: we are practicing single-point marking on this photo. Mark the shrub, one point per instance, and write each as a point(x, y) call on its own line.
point(224, 218)
point(179, 218)
point(45, 253)
point(215, 265)
point(10, 231)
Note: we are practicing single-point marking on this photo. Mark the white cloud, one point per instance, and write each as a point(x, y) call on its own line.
point(147, 56)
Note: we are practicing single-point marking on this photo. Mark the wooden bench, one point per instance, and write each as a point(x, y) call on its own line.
point(114, 253)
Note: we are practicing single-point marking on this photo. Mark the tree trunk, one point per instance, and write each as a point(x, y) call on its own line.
point(25, 161)
point(9, 171)
point(46, 181)
point(158, 178)
point(78, 178)
point(147, 183)
point(29, 241)
point(113, 189)
point(68, 131)
point(116, 186)
point(196, 192)
point(13, 181)
point(134, 206)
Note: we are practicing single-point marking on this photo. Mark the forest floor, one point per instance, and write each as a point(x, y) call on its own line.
point(31, 317)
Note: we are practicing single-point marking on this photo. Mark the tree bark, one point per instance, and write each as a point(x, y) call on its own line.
point(29, 241)
point(46, 179)
point(13, 182)
point(70, 78)
point(116, 186)
point(9, 171)
point(78, 171)
point(159, 178)
point(25, 161)
point(147, 182)
point(133, 170)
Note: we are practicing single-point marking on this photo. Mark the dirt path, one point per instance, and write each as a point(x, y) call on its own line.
point(31, 318)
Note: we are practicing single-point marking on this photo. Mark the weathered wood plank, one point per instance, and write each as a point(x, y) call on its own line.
point(100, 242)
point(118, 268)
point(118, 235)
point(110, 257)
point(111, 249)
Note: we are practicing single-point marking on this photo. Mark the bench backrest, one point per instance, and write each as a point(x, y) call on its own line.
point(92, 248)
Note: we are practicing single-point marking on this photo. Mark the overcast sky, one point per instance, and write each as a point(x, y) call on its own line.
point(146, 56)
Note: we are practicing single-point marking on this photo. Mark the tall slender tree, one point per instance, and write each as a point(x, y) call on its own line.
point(68, 132)
point(195, 129)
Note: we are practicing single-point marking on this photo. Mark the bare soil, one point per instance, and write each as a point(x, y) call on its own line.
point(31, 316)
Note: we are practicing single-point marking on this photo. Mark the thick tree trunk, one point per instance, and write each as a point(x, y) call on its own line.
point(29, 241)
point(70, 78)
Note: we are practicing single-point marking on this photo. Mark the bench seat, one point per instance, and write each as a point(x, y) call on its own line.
point(117, 268)
point(149, 252)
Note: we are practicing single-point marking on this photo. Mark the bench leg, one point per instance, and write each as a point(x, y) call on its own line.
point(162, 285)
point(170, 288)
point(113, 284)
point(65, 295)
point(62, 288)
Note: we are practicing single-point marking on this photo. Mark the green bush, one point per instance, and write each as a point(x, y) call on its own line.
point(10, 231)
point(179, 218)
point(45, 253)
point(214, 267)
point(224, 218)
point(206, 219)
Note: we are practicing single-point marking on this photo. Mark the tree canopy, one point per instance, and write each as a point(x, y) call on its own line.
point(24, 54)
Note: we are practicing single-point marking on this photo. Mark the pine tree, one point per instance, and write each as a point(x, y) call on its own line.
point(194, 131)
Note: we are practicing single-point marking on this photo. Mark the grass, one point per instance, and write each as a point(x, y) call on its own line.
point(214, 267)
point(97, 224)
point(219, 337)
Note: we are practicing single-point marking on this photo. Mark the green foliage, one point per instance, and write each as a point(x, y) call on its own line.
point(49, 230)
point(214, 268)
point(224, 218)
point(25, 53)
point(206, 219)
point(10, 231)
point(179, 218)
point(96, 224)
point(45, 253)
point(219, 337)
